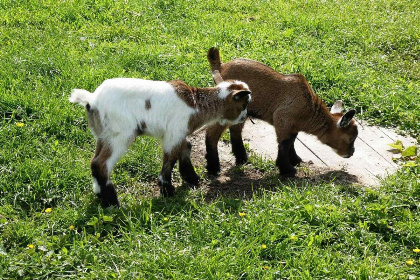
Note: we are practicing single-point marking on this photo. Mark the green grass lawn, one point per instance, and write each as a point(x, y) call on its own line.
point(363, 52)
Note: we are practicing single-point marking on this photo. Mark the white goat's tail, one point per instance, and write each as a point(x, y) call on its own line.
point(81, 96)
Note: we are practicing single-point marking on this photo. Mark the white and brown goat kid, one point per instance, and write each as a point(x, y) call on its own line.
point(288, 103)
point(121, 109)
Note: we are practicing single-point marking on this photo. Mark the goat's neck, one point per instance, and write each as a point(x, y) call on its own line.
point(320, 120)
point(208, 105)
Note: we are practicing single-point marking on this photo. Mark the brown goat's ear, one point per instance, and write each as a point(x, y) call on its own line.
point(345, 120)
point(337, 107)
point(217, 77)
point(240, 94)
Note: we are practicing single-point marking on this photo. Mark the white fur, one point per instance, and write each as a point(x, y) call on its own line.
point(121, 105)
point(80, 96)
point(96, 187)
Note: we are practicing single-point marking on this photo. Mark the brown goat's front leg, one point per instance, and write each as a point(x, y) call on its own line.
point(294, 158)
point(213, 134)
point(185, 166)
point(283, 158)
point(238, 147)
point(286, 141)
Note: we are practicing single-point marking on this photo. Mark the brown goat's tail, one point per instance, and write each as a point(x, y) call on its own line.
point(213, 56)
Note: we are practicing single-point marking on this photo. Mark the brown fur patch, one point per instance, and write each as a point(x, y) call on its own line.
point(233, 87)
point(143, 125)
point(184, 92)
point(98, 162)
point(147, 104)
point(94, 120)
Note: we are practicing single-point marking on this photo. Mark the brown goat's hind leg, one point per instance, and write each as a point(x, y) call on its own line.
point(185, 166)
point(294, 158)
point(213, 134)
point(238, 147)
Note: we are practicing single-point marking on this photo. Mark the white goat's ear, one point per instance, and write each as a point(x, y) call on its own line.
point(217, 77)
point(345, 120)
point(241, 94)
point(337, 107)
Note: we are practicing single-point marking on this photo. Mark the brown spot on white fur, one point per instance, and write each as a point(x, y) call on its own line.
point(184, 92)
point(147, 104)
point(288, 103)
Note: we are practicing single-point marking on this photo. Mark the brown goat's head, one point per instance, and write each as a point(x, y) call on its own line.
point(343, 132)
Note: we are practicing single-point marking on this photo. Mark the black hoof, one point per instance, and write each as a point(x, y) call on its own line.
point(167, 191)
point(241, 160)
point(213, 166)
point(192, 179)
point(288, 172)
point(109, 196)
point(188, 174)
point(295, 161)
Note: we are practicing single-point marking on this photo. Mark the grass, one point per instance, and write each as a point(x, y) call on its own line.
point(363, 52)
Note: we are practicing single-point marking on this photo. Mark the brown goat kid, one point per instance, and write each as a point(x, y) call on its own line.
point(288, 103)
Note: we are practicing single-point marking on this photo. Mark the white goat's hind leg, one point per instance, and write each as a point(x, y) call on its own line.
point(106, 156)
point(100, 174)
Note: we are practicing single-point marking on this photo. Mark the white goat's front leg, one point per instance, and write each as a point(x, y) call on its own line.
point(175, 148)
point(165, 178)
point(185, 166)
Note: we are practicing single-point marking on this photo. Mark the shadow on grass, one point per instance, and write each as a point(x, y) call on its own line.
point(246, 183)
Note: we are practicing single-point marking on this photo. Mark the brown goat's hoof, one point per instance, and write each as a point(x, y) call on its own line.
point(295, 161)
point(213, 169)
point(241, 160)
point(289, 172)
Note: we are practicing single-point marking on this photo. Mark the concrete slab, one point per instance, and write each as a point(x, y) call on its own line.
point(371, 161)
